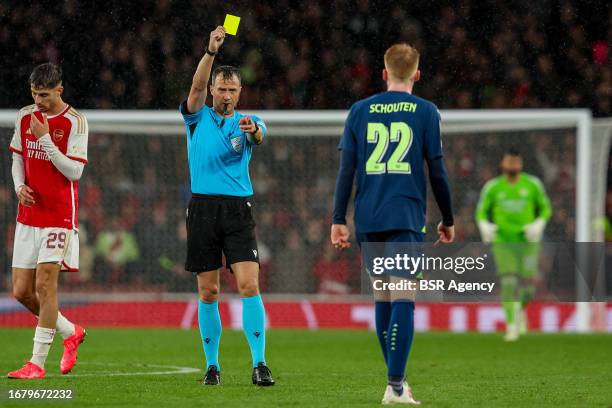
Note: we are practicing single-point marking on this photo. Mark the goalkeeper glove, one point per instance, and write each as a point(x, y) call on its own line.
point(535, 230)
point(487, 231)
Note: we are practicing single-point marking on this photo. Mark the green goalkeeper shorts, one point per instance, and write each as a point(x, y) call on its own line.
point(517, 258)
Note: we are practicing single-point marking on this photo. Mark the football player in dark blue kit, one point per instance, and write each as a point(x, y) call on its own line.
point(387, 140)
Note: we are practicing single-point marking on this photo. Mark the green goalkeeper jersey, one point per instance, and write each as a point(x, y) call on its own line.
point(512, 206)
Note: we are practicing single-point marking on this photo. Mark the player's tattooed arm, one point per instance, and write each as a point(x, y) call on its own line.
point(197, 94)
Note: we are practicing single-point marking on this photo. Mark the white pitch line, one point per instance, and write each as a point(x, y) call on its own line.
point(309, 313)
point(190, 312)
point(175, 370)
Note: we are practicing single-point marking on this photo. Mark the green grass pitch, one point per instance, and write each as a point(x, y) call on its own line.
point(322, 368)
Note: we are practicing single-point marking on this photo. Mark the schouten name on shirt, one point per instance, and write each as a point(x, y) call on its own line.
point(393, 107)
point(35, 151)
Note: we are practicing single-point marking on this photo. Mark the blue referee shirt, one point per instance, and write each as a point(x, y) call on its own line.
point(219, 152)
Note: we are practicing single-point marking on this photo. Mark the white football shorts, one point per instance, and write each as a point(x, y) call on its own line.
point(35, 245)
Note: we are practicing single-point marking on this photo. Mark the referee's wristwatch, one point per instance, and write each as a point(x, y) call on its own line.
point(209, 52)
point(256, 128)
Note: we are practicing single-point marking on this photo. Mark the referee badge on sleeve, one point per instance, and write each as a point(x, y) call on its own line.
point(237, 143)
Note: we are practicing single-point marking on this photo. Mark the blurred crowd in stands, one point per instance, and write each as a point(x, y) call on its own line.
point(315, 54)
point(293, 55)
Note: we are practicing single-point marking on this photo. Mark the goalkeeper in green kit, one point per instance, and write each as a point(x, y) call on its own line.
point(512, 214)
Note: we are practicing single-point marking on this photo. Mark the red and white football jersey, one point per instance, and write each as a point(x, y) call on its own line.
point(56, 197)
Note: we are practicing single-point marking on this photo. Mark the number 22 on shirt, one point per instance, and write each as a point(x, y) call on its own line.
point(379, 133)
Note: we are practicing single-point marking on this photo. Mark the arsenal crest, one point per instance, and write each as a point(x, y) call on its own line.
point(58, 134)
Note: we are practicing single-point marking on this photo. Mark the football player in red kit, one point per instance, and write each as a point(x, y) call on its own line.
point(49, 150)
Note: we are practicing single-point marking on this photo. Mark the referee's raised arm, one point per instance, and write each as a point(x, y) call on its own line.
point(197, 94)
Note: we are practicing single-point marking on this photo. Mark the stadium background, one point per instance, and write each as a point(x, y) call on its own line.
point(318, 55)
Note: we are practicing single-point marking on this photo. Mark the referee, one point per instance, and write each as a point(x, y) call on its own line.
point(219, 218)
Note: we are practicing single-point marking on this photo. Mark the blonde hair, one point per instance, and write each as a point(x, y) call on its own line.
point(401, 61)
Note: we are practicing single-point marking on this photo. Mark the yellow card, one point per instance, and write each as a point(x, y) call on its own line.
point(231, 24)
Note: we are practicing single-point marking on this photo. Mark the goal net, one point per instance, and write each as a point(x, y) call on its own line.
point(135, 189)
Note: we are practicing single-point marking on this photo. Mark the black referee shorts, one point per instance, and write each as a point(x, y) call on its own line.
point(219, 225)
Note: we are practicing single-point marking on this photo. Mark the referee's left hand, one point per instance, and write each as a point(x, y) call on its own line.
point(247, 125)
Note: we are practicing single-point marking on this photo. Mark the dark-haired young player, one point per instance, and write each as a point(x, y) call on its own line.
point(49, 152)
